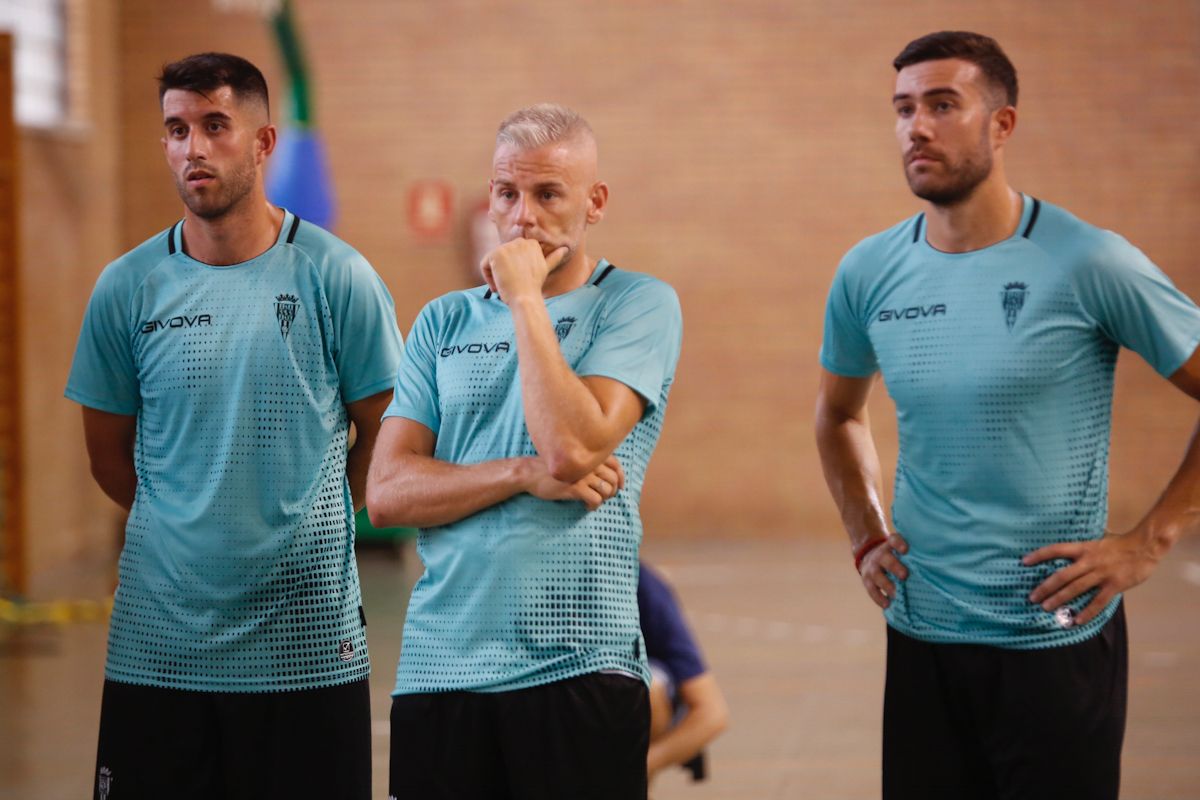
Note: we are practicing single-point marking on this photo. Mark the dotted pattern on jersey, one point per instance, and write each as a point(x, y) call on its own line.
point(528, 591)
point(238, 572)
point(1003, 390)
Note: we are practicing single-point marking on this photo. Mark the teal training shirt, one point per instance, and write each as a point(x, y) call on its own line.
point(238, 569)
point(1000, 363)
point(530, 591)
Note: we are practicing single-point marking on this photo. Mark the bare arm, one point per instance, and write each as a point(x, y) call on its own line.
point(1117, 562)
point(707, 716)
point(109, 439)
point(575, 423)
point(408, 486)
point(366, 414)
point(852, 472)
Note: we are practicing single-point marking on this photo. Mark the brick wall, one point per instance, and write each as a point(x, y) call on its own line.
point(747, 145)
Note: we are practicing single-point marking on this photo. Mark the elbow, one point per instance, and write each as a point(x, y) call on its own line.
point(380, 509)
point(569, 463)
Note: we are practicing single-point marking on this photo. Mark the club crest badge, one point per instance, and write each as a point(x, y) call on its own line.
point(562, 328)
point(285, 312)
point(104, 783)
point(346, 650)
point(1013, 300)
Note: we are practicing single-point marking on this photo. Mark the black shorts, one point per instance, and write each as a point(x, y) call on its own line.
point(579, 738)
point(988, 723)
point(157, 743)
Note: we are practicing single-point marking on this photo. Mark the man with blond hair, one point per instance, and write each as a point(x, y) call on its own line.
point(525, 413)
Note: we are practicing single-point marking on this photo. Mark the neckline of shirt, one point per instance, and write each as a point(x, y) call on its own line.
point(285, 232)
point(1027, 204)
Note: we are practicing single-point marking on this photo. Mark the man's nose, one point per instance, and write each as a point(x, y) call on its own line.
point(525, 214)
point(197, 146)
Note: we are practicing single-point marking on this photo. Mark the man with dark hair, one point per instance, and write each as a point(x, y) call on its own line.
point(995, 320)
point(526, 411)
point(223, 366)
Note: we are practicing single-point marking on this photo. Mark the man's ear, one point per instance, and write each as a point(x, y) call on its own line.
point(597, 202)
point(265, 139)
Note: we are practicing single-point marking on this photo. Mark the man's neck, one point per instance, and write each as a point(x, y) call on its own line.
point(239, 235)
point(569, 276)
point(990, 215)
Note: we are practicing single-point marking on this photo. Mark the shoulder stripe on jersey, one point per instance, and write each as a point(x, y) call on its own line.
point(917, 227)
point(603, 275)
point(487, 295)
point(1037, 206)
point(291, 237)
point(171, 238)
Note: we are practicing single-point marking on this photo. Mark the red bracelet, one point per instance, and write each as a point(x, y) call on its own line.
point(865, 548)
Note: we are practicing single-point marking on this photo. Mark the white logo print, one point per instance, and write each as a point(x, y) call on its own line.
point(1064, 616)
point(104, 783)
point(346, 650)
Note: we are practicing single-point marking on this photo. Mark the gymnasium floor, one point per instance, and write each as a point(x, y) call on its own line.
point(794, 643)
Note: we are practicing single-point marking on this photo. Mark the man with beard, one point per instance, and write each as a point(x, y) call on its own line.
point(525, 414)
point(995, 320)
point(223, 366)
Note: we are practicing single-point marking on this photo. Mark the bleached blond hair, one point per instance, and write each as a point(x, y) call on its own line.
point(542, 124)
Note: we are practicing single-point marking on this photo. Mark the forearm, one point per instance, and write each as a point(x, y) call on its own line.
point(420, 491)
point(700, 725)
point(853, 474)
point(1177, 511)
point(118, 480)
point(358, 462)
point(565, 420)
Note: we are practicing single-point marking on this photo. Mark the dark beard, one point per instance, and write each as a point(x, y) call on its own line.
point(235, 186)
point(964, 176)
point(963, 183)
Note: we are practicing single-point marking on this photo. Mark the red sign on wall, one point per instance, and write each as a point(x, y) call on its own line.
point(430, 206)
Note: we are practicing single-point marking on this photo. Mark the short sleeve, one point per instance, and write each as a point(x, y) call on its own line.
point(638, 340)
point(369, 345)
point(103, 374)
point(845, 346)
point(416, 396)
point(1137, 306)
point(668, 638)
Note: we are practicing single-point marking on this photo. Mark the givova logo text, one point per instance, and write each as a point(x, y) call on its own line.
point(912, 312)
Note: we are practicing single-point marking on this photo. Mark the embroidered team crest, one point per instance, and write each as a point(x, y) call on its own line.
point(285, 312)
point(562, 328)
point(104, 783)
point(346, 650)
point(1013, 299)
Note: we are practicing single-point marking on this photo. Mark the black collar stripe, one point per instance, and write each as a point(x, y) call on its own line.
point(603, 275)
point(171, 238)
point(487, 295)
point(291, 237)
point(1037, 206)
point(917, 227)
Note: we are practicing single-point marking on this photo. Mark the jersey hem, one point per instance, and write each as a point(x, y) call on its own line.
point(602, 664)
point(249, 687)
point(1040, 640)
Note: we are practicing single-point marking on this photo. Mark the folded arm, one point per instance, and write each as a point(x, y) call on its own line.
point(408, 486)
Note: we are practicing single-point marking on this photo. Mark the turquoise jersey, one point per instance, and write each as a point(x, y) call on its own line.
point(238, 569)
point(530, 591)
point(1000, 362)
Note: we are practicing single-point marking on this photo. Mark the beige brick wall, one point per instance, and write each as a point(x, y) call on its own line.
point(747, 145)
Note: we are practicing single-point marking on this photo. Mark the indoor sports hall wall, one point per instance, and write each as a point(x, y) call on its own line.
point(747, 146)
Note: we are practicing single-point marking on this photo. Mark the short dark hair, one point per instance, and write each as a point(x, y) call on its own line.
point(982, 51)
point(205, 72)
